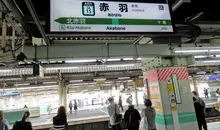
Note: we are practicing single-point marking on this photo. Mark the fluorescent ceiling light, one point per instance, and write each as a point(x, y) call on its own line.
point(44, 62)
point(79, 61)
point(55, 61)
point(38, 87)
point(121, 65)
point(75, 81)
point(214, 50)
point(124, 78)
point(113, 59)
point(61, 68)
point(100, 79)
point(216, 72)
point(200, 56)
point(211, 61)
point(108, 82)
point(24, 84)
point(7, 70)
point(139, 58)
point(201, 73)
point(92, 85)
point(129, 80)
point(128, 58)
point(49, 82)
point(217, 55)
point(10, 79)
point(190, 51)
point(83, 84)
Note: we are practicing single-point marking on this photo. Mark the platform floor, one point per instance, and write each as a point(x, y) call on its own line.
point(77, 115)
point(92, 113)
point(214, 126)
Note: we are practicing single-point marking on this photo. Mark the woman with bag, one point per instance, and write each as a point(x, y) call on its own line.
point(23, 124)
point(132, 117)
point(115, 116)
point(148, 116)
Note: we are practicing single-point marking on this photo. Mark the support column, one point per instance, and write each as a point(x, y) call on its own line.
point(171, 96)
point(195, 83)
point(135, 91)
point(62, 92)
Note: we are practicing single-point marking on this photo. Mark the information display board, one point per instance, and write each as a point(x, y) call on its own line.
point(108, 16)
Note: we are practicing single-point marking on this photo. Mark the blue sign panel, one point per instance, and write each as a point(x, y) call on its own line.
point(9, 93)
point(214, 78)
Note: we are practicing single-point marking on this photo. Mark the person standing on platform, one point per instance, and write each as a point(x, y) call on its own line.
point(71, 107)
point(217, 92)
point(132, 117)
point(49, 109)
point(113, 111)
point(75, 105)
point(150, 114)
point(25, 106)
point(23, 124)
point(206, 93)
point(60, 120)
point(4, 125)
point(200, 115)
point(199, 100)
point(120, 103)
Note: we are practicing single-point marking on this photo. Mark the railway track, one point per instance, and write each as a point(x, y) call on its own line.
point(213, 119)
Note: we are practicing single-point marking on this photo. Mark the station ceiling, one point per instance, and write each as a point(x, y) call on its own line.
point(202, 13)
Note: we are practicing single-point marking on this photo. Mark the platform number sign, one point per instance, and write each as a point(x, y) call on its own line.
point(88, 8)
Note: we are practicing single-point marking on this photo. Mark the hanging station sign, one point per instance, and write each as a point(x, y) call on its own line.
point(108, 16)
point(9, 93)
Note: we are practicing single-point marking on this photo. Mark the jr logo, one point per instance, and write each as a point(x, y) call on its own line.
point(62, 27)
point(88, 9)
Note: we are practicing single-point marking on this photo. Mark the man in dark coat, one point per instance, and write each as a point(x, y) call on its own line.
point(132, 117)
point(200, 115)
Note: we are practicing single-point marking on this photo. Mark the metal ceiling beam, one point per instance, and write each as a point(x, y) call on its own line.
point(96, 51)
point(17, 15)
point(37, 21)
point(64, 52)
point(178, 3)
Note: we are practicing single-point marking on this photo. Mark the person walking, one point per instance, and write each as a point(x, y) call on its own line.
point(200, 115)
point(120, 103)
point(113, 111)
point(49, 109)
point(132, 117)
point(70, 106)
point(75, 105)
point(150, 114)
point(4, 125)
point(60, 120)
point(23, 124)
